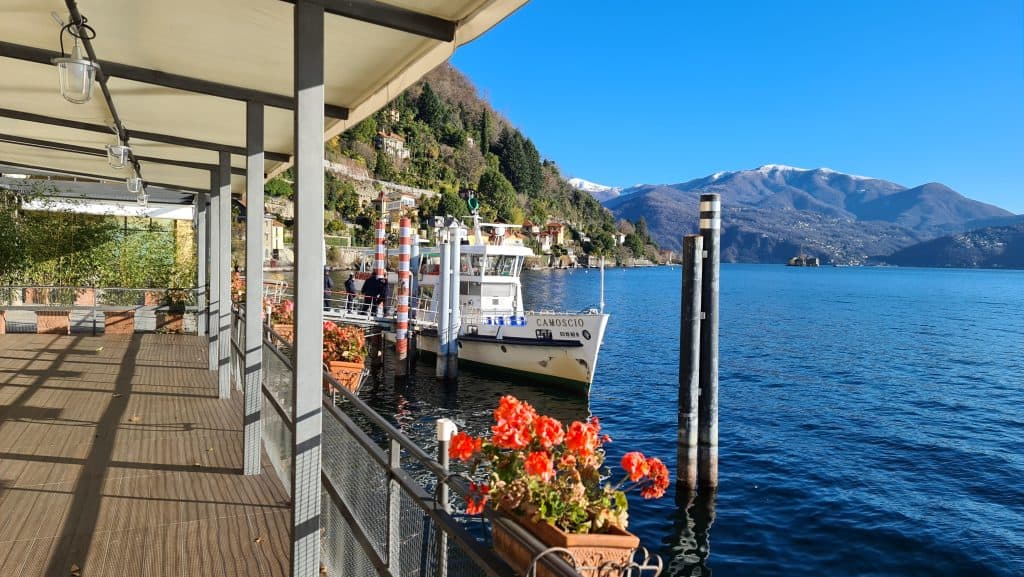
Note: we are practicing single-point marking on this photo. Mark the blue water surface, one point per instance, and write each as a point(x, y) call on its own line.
point(871, 419)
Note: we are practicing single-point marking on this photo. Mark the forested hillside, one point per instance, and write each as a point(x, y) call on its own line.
point(440, 135)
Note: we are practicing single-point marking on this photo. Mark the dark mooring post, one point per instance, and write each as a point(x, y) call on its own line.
point(689, 361)
point(707, 409)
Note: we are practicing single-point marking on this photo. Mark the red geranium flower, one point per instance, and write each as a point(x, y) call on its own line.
point(659, 479)
point(463, 446)
point(477, 498)
point(539, 464)
point(582, 437)
point(513, 419)
point(635, 465)
point(549, 431)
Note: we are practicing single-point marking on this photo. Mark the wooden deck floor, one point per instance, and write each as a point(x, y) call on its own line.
point(116, 456)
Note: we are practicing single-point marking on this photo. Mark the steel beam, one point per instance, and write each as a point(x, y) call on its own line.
point(92, 176)
point(252, 425)
point(392, 17)
point(76, 149)
point(223, 273)
point(141, 135)
point(308, 38)
point(157, 78)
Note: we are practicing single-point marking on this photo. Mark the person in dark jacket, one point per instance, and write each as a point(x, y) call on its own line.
point(328, 285)
point(350, 291)
point(371, 288)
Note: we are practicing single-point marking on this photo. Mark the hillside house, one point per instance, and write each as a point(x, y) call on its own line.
point(530, 228)
point(556, 230)
point(391, 144)
point(273, 237)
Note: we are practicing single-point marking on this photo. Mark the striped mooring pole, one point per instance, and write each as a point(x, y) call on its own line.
point(379, 262)
point(404, 287)
point(707, 409)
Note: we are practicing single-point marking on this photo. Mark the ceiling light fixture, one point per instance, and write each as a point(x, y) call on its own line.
point(77, 72)
point(134, 183)
point(118, 154)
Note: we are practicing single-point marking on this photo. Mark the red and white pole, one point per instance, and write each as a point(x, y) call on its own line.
point(379, 263)
point(404, 287)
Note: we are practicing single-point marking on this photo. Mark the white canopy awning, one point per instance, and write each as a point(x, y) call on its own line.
point(179, 75)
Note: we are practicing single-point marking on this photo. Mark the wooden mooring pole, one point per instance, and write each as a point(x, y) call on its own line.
point(689, 361)
point(710, 225)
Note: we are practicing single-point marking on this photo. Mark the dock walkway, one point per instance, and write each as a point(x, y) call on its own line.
point(116, 456)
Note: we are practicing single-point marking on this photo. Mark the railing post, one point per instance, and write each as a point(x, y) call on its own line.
point(308, 67)
point(394, 529)
point(253, 361)
point(223, 273)
point(445, 429)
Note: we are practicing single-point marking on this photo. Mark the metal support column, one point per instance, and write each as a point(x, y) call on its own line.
point(309, 233)
point(202, 255)
point(224, 277)
point(214, 248)
point(689, 362)
point(252, 425)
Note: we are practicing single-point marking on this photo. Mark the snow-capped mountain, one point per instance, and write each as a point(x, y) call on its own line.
point(599, 191)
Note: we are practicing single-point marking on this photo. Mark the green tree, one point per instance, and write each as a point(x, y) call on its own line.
point(431, 109)
point(384, 169)
point(485, 132)
point(451, 205)
point(495, 191)
point(277, 187)
point(348, 201)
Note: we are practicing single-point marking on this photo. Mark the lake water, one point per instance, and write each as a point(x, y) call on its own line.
point(871, 420)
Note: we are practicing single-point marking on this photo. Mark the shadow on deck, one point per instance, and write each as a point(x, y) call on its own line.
point(117, 457)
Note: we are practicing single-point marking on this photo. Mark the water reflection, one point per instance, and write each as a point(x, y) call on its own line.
point(689, 546)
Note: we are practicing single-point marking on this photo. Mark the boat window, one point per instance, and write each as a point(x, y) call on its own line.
point(496, 290)
point(501, 265)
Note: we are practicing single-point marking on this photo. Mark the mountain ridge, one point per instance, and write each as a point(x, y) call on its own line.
point(836, 216)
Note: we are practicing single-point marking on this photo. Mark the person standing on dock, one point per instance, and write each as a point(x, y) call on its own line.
point(350, 291)
point(371, 287)
point(328, 285)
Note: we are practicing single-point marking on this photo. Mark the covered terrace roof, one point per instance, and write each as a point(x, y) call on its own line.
point(177, 75)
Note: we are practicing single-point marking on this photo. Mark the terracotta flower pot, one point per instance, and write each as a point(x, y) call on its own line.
point(53, 323)
point(3, 324)
point(85, 297)
point(151, 298)
point(119, 322)
point(169, 322)
point(604, 551)
point(349, 375)
point(285, 330)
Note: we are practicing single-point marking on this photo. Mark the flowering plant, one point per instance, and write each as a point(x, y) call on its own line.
point(547, 473)
point(344, 343)
point(282, 313)
point(237, 287)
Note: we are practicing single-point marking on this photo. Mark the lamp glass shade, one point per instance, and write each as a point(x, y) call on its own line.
point(142, 199)
point(76, 76)
point(117, 155)
point(134, 183)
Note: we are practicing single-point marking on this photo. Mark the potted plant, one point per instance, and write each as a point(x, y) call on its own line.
point(237, 288)
point(171, 319)
point(552, 481)
point(282, 319)
point(344, 354)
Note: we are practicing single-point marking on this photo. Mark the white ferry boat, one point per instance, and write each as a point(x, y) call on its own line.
point(496, 331)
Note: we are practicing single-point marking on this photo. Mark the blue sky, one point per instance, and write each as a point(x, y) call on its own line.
point(662, 92)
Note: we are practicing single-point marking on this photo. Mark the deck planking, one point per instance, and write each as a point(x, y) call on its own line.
point(116, 456)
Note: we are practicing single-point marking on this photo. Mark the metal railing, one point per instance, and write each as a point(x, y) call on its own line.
point(87, 306)
point(382, 510)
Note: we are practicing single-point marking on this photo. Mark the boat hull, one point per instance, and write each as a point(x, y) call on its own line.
point(560, 349)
